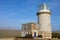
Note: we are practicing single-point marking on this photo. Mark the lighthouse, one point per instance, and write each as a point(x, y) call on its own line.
point(44, 21)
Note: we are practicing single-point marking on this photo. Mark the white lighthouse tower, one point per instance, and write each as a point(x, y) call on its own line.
point(44, 21)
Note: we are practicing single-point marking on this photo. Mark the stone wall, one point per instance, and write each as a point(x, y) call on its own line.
point(56, 39)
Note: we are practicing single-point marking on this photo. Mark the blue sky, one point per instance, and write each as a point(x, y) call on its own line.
point(13, 13)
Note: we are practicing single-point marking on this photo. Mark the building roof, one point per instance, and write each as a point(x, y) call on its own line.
point(30, 23)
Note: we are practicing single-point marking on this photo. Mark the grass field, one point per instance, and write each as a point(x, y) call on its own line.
point(13, 33)
point(9, 33)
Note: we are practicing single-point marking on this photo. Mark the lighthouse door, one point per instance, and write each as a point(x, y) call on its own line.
point(34, 34)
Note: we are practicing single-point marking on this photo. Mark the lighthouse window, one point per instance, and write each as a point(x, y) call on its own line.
point(47, 7)
point(42, 7)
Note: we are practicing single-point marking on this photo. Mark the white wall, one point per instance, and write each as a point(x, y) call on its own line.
point(44, 21)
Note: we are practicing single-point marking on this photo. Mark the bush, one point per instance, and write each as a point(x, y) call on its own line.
point(55, 35)
point(40, 36)
point(28, 35)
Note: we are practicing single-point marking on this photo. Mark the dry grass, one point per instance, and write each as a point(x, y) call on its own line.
point(9, 33)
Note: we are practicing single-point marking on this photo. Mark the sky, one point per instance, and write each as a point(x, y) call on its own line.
point(13, 13)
